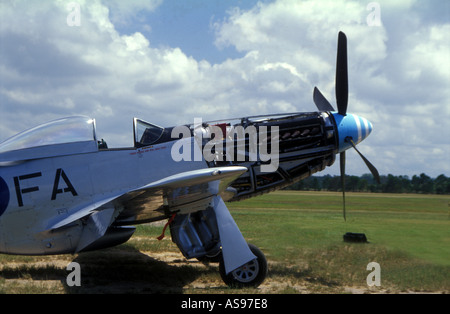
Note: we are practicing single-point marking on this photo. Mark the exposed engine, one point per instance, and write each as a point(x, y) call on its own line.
point(306, 144)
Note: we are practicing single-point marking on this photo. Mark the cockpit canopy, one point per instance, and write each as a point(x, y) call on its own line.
point(66, 130)
point(72, 134)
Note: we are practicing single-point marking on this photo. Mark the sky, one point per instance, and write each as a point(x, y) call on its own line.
point(170, 61)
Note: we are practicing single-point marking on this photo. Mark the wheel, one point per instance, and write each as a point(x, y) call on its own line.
point(248, 275)
point(214, 257)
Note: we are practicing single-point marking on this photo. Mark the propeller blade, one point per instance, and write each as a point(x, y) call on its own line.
point(371, 167)
point(321, 102)
point(342, 75)
point(342, 161)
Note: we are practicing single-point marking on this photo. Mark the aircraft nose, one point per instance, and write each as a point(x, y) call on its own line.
point(351, 125)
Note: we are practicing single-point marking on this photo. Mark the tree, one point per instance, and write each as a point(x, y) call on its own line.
point(393, 185)
point(442, 185)
point(366, 183)
point(426, 184)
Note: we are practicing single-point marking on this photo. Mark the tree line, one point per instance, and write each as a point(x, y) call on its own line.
point(422, 184)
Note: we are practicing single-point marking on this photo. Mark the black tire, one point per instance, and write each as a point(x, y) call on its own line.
point(211, 258)
point(250, 275)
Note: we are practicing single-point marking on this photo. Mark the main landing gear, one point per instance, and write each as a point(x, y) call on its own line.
point(249, 275)
point(197, 235)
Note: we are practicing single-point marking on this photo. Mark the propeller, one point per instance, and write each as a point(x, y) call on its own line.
point(371, 167)
point(341, 83)
point(321, 102)
point(342, 75)
point(342, 164)
point(341, 89)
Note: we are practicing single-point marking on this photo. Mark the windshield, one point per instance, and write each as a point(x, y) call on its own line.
point(66, 130)
point(146, 133)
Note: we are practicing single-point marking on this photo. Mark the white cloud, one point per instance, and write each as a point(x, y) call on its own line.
point(399, 72)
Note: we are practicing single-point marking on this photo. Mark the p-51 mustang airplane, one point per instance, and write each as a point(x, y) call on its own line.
point(62, 191)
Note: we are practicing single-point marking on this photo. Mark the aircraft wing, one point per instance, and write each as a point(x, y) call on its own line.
point(180, 193)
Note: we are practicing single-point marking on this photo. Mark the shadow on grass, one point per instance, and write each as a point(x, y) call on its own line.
point(116, 270)
point(45, 272)
point(129, 271)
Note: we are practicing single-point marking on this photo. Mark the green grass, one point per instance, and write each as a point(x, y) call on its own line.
point(409, 235)
point(417, 225)
point(301, 234)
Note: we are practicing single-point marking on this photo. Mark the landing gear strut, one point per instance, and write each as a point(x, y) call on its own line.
point(198, 234)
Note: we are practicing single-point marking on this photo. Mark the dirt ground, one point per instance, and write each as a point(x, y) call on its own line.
point(149, 272)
